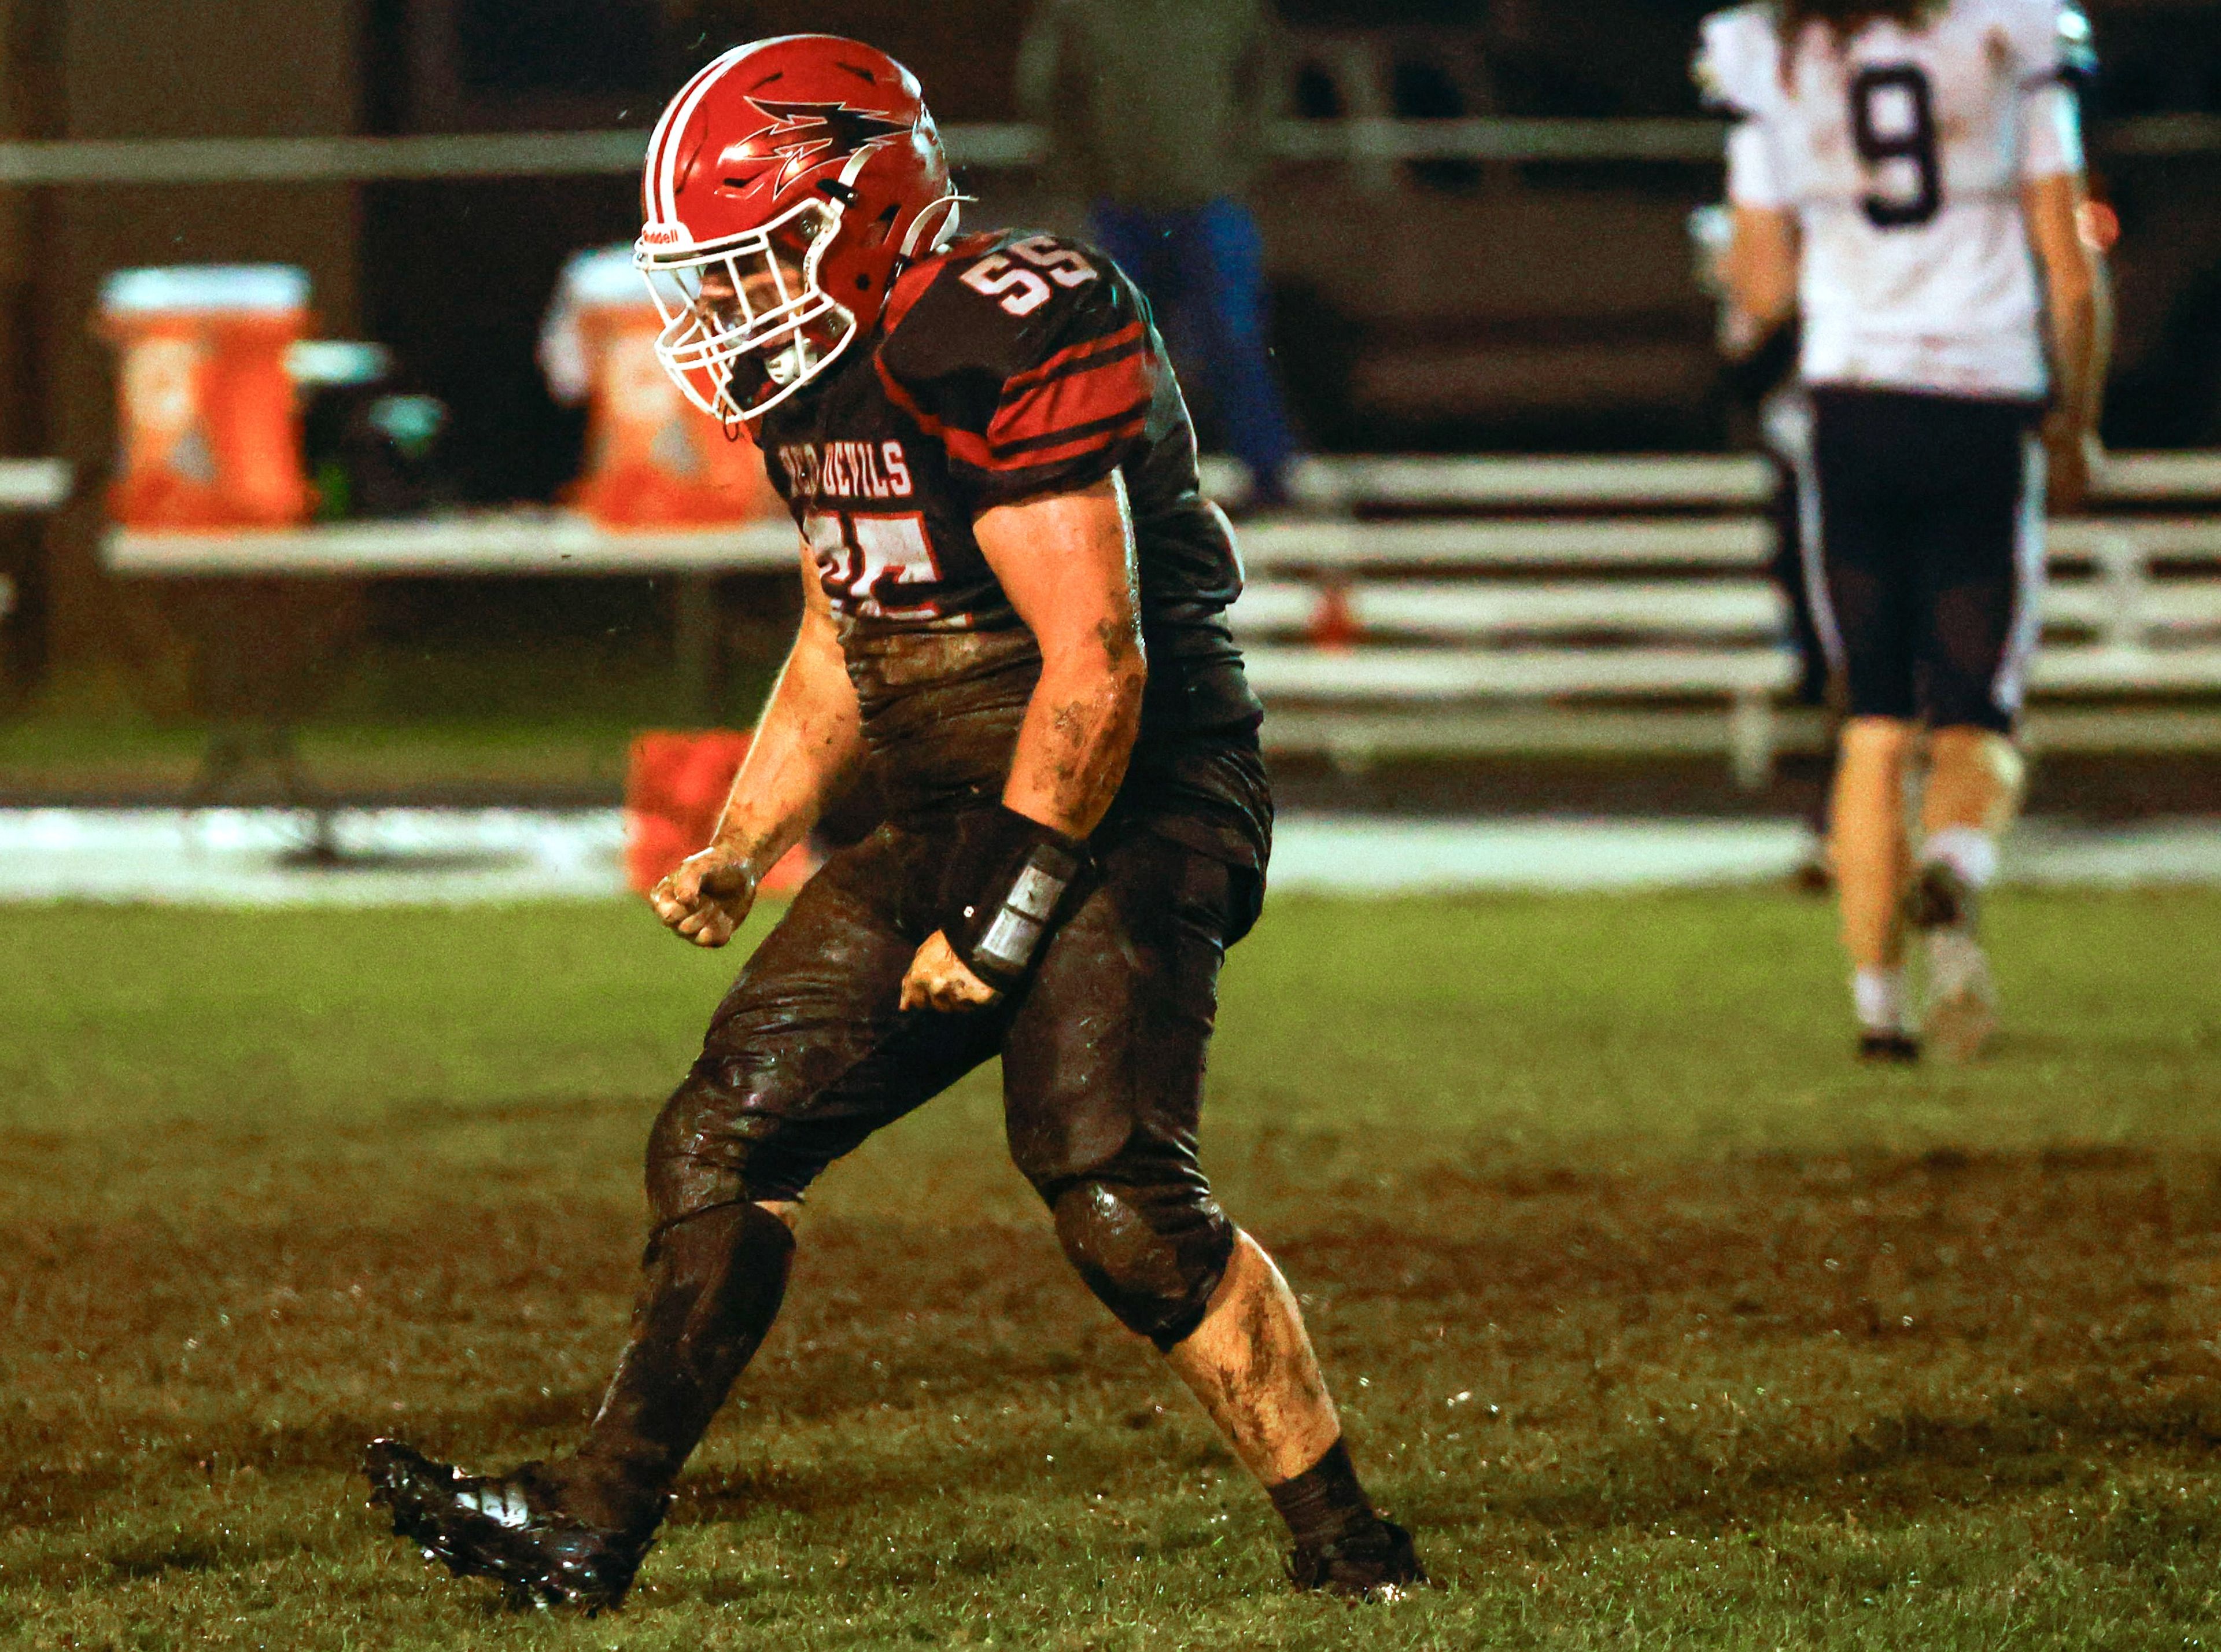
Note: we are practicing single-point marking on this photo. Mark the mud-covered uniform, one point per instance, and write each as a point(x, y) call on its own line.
point(1007, 367)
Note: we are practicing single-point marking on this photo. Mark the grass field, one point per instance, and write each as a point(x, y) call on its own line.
point(1661, 1323)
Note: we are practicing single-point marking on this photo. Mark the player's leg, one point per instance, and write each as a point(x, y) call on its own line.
point(1786, 419)
point(1976, 779)
point(1867, 601)
point(1251, 1365)
point(1985, 563)
point(1224, 257)
point(1871, 859)
point(804, 1058)
point(1104, 1086)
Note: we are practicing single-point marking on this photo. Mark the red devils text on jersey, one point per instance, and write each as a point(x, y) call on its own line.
point(1008, 366)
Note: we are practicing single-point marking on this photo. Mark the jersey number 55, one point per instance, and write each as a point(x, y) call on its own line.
point(1022, 289)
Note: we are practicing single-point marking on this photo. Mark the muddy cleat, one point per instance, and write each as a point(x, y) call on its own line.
point(1898, 1049)
point(1962, 998)
point(1375, 1562)
point(1939, 899)
point(508, 1527)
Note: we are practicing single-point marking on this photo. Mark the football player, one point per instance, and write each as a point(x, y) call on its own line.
point(1014, 616)
point(1772, 410)
point(1906, 175)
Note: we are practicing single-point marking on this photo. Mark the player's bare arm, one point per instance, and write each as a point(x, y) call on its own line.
point(2077, 311)
point(1761, 268)
point(809, 740)
point(1067, 561)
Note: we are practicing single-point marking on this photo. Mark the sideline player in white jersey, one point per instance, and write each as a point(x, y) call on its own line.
point(1907, 176)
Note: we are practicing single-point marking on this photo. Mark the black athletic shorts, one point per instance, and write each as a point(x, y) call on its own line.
point(1930, 530)
point(1102, 1050)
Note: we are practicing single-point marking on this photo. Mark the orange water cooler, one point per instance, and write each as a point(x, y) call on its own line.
point(652, 459)
point(208, 426)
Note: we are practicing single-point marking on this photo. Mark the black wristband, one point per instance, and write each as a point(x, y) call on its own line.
point(1007, 885)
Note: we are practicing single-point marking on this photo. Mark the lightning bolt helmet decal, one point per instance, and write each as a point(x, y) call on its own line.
point(811, 136)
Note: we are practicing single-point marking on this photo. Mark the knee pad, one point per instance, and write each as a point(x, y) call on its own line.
point(1151, 1254)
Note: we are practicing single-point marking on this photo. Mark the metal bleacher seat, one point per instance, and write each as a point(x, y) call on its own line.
point(1623, 604)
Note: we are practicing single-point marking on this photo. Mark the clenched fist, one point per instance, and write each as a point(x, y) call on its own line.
point(708, 898)
point(938, 979)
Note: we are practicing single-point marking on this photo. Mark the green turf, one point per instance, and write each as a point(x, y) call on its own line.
point(1661, 1323)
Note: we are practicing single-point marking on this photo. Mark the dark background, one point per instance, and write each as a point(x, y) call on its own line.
point(1439, 306)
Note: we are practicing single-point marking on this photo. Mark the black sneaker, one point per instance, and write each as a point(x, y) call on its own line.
point(1375, 1562)
point(507, 1527)
point(1901, 1049)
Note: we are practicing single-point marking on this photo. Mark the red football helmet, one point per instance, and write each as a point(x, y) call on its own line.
point(786, 186)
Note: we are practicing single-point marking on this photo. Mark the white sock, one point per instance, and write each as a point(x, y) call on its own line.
point(1968, 850)
point(1879, 995)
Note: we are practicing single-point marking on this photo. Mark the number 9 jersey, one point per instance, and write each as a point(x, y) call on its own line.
point(1903, 153)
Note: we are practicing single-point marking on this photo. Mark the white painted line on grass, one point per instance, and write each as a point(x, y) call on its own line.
point(1375, 855)
point(258, 857)
point(438, 857)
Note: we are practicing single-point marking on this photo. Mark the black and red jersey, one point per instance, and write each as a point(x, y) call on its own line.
point(1007, 366)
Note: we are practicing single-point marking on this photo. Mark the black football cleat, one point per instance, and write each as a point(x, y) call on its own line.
point(1889, 1048)
point(509, 1527)
point(1375, 1562)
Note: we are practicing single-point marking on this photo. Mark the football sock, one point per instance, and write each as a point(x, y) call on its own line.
point(1879, 995)
point(1325, 1503)
point(714, 1281)
point(1968, 850)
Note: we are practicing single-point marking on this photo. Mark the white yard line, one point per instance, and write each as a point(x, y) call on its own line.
point(431, 857)
point(253, 857)
point(1375, 855)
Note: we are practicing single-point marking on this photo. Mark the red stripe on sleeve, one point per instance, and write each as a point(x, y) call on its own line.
point(1065, 360)
point(1112, 391)
point(1094, 442)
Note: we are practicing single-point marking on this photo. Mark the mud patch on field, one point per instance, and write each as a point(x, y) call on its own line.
point(1535, 1356)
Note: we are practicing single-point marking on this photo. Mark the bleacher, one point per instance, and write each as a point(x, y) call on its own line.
point(1462, 606)
point(1448, 606)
